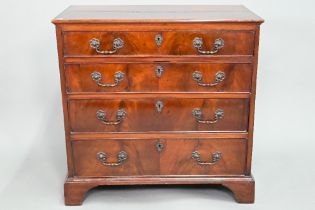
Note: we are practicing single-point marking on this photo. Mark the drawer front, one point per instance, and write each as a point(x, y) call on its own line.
point(161, 77)
point(133, 43)
point(203, 157)
point(132, 157)
point(143, 115)
point(95, 158)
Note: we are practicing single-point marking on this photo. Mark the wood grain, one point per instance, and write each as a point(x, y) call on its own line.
point(175, 158)
point(142, 158)
point(157, 13)
point(175, 126)
point(243, 187)
point(158, 135)
point(142, 115)
point(143, 43)
point(142, 77)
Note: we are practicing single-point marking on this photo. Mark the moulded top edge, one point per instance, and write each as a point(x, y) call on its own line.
point(157, 13)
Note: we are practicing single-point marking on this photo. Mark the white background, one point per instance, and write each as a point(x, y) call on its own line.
point(32, 149)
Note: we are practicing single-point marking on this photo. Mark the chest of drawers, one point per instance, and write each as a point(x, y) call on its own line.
point(158, 95)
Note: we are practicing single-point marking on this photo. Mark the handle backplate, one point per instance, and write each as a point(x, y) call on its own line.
point(219, 77)
point(121, 157)
point(120, 115)
point(214, 158)
point(97, 77)
point(197, 113)
point(117, 44)
point(217, 45)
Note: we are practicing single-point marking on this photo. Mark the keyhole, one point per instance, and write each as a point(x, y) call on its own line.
point(158, 39)
point(159, 146)
point(159, 106)
point(158, 71)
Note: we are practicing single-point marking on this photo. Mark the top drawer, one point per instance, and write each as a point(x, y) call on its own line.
point(133, 43)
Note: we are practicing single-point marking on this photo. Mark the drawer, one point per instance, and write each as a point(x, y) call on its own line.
point(161, 77)
point(132, 157)
point(115, 157)
point(133, 43)
point(203, 157)
point(166, 114)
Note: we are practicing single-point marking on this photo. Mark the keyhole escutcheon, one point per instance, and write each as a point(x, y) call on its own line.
point(159, 106)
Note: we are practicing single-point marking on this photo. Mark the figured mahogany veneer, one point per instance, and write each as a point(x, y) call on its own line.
point(174, 159)
point(173, 43)
point(143, 116)
point(158, 95)
point(237, 77)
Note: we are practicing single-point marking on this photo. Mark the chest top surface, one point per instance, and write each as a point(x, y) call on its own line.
point(157, 13)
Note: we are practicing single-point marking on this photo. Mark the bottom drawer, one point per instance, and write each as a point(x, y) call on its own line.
point(115, 157)
point(135, 157)
point(203, 157)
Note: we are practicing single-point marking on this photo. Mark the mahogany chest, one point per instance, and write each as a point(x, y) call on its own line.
point(158, 95)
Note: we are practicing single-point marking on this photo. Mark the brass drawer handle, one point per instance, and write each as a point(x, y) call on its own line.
point(217, 45)
point(219, 77)
point(197, 113)
point(121, 157)
point(97, 77)
point(96, 44)
point(214, 158)
point(120, 115)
